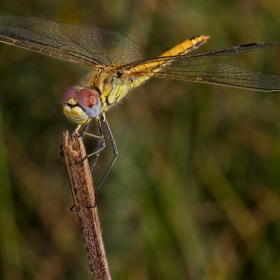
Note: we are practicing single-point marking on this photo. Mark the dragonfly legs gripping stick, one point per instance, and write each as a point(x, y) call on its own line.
point(101, 144)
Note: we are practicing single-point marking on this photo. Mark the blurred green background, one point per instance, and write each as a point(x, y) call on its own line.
point(195, 191)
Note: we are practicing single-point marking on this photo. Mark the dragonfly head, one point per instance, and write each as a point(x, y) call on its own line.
point(81, 104)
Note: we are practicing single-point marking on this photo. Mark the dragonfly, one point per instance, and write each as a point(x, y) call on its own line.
point(117, 67)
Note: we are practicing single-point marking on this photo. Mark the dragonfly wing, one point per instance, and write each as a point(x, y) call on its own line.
point(76, 43)
point(206, 70)
point(251, 47)
point(203, 68)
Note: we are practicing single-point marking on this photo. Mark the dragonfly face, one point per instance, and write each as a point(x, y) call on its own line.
point(118, 66)
point(81, 105)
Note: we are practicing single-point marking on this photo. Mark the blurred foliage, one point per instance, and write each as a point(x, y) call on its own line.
point(194, 193)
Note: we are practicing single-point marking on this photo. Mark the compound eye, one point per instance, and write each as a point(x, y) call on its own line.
point(89, 101)
point(69, 93)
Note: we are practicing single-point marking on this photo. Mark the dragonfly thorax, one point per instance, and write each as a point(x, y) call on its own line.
point(113, 86)
point(81, 104)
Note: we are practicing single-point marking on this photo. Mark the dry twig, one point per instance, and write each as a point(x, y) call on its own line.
point(84, 199)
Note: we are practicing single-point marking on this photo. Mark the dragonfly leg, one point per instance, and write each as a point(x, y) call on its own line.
point(114, 148)
point(82, 131)
point(101, 144)
point(77, 128)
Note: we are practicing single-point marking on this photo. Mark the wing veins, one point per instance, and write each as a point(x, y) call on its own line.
point(220, 52)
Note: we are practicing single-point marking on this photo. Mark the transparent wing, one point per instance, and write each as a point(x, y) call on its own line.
point(76, 43)
point(203, 68)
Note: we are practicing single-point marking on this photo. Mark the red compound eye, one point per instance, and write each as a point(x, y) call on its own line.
point(89, 101)
point(86, 98)
point(69, 93)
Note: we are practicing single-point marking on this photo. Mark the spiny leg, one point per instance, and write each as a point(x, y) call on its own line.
point(100, 145)
point(114, 148)
point(82, 131)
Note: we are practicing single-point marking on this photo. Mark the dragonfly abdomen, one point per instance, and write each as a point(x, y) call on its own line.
point(186, 46)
